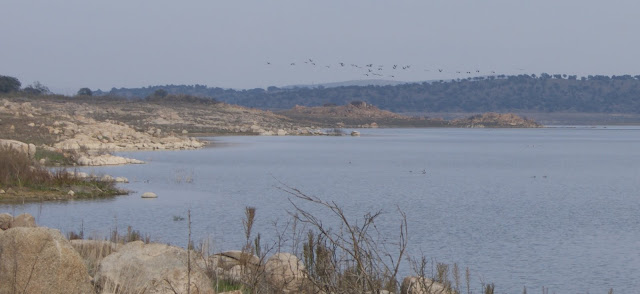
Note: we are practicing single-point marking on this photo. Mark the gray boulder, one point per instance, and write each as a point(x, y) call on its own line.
point(150, 268)
point(40, 260)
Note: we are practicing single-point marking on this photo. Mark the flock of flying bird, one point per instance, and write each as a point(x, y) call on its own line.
point(371, 70)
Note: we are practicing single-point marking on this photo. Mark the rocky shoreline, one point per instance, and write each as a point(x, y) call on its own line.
point(88, 131)
point(42, 260)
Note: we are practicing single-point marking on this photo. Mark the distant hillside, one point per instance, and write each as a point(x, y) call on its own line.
point(523, 93)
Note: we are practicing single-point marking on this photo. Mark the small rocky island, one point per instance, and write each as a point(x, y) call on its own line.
point(359, 114)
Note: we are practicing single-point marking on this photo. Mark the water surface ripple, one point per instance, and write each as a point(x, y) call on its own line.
point(553, 207)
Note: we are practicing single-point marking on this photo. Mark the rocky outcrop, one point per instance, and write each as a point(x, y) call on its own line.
point(106, 159)
point(422, 285)
point(40, 260)
point(152, 268)
point(88, 134)
point(24, 148)
point(285, 272)
point(24, 220)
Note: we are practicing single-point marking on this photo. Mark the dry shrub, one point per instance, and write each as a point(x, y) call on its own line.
point(17, 170)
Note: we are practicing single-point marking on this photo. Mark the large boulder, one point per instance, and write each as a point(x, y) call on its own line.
point(422, 285)
point(150, 268)
point(285, 272)
point(40, 260)
point(93, 251)
point(5, 221)
point(24, 148)
point(24, 220)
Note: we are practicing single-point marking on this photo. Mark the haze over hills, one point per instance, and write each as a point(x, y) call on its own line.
point(522, 93)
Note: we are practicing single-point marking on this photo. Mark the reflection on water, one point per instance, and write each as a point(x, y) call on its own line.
point(521, 207)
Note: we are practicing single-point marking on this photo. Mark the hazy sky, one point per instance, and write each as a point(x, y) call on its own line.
point(103, 44)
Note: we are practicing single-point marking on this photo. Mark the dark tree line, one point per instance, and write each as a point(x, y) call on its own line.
point(543, 93)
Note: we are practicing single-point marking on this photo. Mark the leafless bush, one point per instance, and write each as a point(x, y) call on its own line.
point(353, 259)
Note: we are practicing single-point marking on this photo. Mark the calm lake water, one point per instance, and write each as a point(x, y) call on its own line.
point(553, 207)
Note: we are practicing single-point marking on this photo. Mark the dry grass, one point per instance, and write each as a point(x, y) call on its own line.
point(31, 181)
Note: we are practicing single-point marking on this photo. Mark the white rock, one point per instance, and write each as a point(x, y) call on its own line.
point(71, 193)
point(107, 178)
point(282, 132)
point(149, 195)
point(106, 159)
point(122, 180)
point(355, 133)
point(28, 149)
